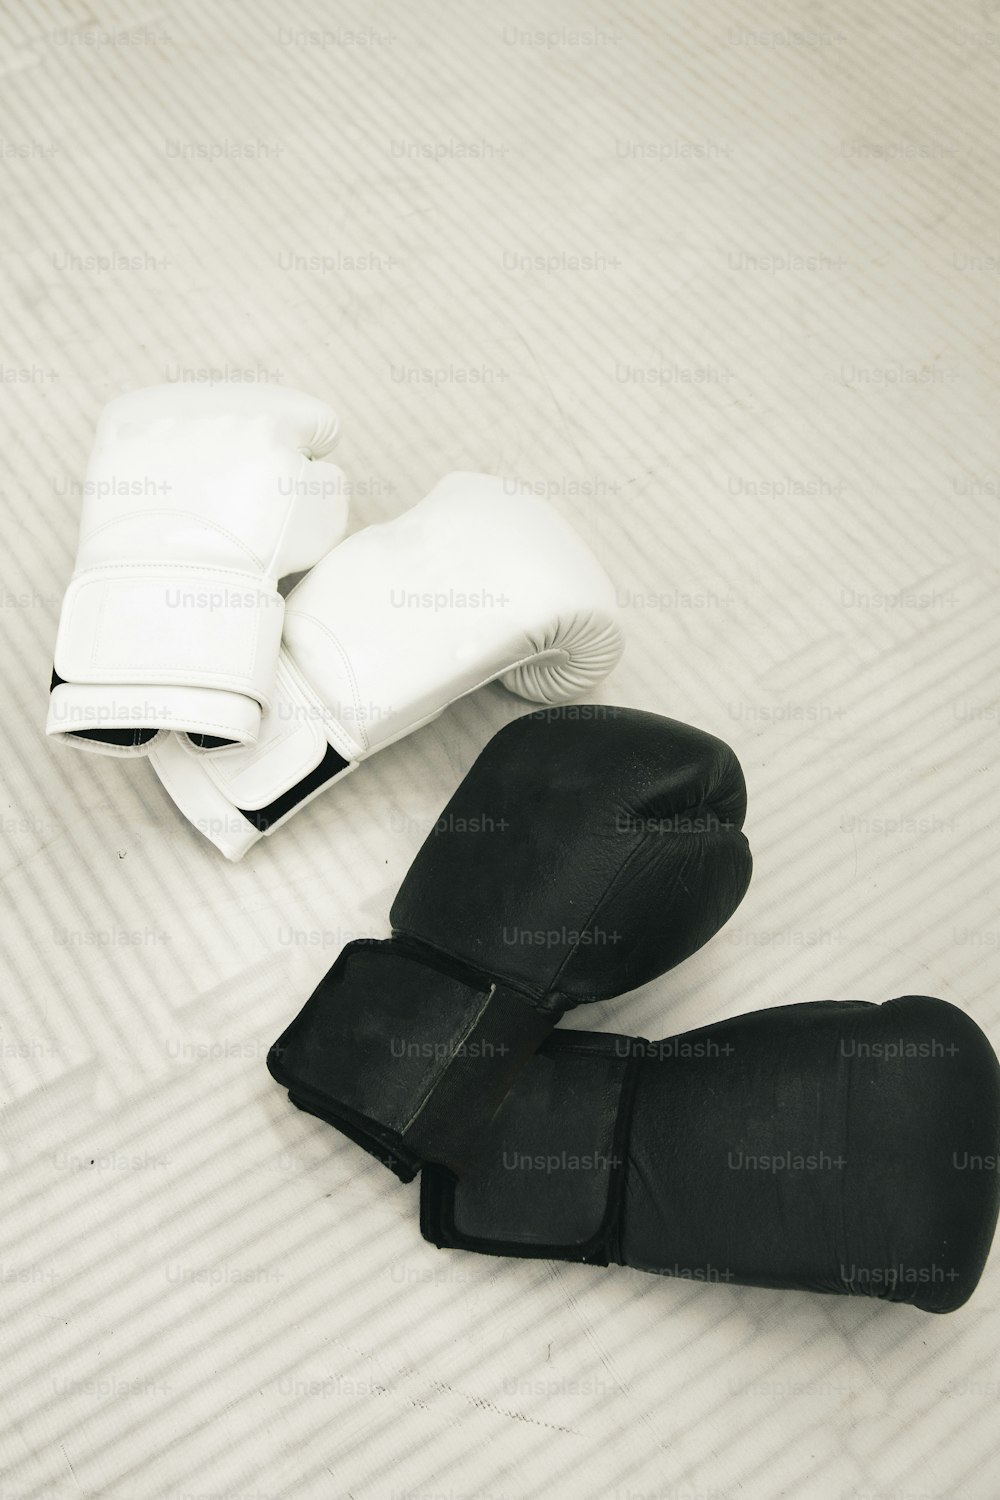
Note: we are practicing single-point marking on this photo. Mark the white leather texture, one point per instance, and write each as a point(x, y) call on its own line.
point(195, 503)
point(196, 709)
point(471, 585)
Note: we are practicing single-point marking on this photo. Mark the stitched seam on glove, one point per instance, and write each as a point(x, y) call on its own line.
point(301, 614)
point(200, 520)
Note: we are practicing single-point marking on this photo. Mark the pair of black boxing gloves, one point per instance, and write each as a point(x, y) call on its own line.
point(833, 1146)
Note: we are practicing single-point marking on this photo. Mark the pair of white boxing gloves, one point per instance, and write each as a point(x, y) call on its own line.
point(174, 641)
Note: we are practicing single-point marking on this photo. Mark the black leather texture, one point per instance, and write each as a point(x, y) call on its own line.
point(826, 1147)
point(588, 850)
point(589, 854)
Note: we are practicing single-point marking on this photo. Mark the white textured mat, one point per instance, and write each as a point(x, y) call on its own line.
point(756, 363)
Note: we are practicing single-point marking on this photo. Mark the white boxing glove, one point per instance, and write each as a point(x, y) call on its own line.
point(195, 503)
point(396, 623)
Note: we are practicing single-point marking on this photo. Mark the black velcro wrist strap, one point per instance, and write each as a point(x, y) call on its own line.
point(550, 1175)
point(407, 1053)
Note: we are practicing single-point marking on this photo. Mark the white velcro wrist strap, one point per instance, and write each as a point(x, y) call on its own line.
point(185, 626)
point(77, 710)
point(236, 795)
point(206, 808)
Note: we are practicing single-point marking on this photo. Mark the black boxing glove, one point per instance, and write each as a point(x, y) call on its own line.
point(586, 851)
point(830, 1147)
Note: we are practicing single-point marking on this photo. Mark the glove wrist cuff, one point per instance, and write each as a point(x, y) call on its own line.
point(408, 1052)
point(129, 719)
point(150, 625)
point(551, 1174)
point(235, 796)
